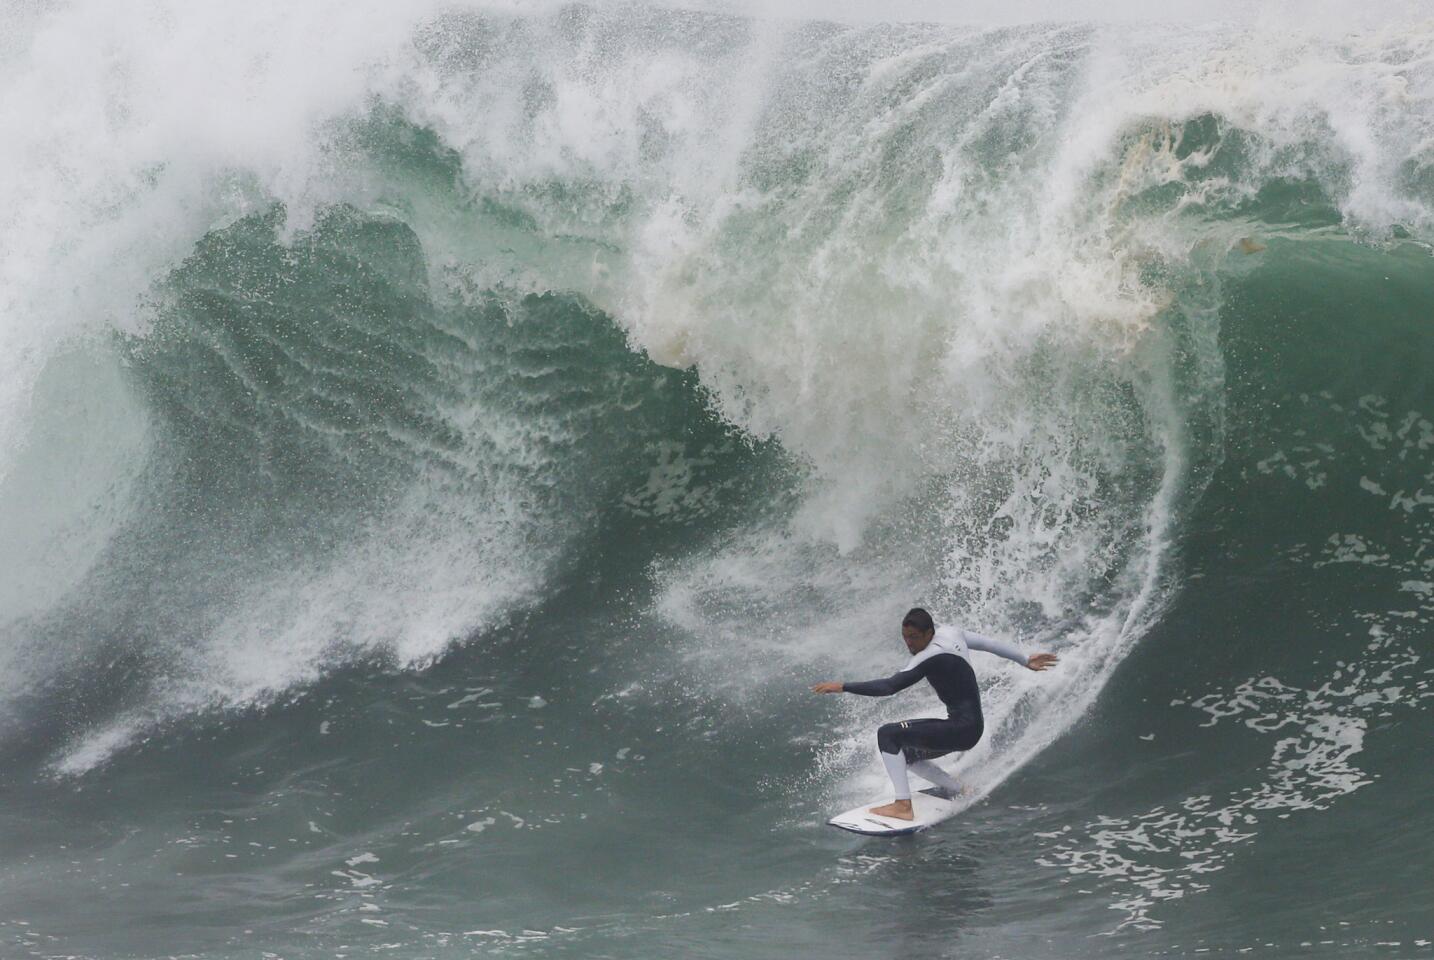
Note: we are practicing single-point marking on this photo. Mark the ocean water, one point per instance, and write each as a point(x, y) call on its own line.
point(440, 444)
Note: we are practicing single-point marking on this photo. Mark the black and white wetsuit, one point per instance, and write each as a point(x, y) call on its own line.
point(945, 664)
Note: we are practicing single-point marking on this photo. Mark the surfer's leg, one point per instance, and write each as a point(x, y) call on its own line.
point(932, 738)
point(933, 774)
point(895, 765)
point(911, 742)
point(888, 742)
point(924, 740)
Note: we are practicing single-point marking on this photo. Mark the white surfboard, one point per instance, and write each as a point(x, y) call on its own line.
point(931, 806)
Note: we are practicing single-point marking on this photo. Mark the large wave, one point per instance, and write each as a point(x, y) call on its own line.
point(342, 334)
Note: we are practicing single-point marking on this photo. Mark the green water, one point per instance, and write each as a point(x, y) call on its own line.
point(426, 516)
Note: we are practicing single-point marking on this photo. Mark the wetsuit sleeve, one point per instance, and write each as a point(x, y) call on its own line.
point(1000, 648)
point(886, 687)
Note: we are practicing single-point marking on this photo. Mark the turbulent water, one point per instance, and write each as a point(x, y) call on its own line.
point(441, 444)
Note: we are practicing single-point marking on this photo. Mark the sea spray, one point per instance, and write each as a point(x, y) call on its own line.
point(388, 326)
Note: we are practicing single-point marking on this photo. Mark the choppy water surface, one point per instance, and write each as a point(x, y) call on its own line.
point(439, 445)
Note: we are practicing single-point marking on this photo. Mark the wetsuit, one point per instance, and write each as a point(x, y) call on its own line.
point(914, 743)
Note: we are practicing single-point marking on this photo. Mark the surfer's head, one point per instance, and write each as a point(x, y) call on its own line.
point(917, 629)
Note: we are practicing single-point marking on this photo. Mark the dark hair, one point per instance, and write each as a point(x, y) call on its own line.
point(920, 619)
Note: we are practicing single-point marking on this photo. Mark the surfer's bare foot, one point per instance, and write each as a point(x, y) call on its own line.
point(896, 809)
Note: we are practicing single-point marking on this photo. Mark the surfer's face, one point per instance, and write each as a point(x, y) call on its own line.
point(916, 640)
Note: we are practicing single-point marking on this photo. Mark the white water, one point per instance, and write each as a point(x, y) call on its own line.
point(907, 252)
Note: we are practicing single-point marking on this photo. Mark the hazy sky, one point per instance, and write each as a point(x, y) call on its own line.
point(1339, 14)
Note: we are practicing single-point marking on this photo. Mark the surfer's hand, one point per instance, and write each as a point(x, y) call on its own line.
point(829, 686)
point(1039, 661)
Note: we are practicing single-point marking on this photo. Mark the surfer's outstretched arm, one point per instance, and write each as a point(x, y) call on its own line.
point(888, 685)
point(1001, 648)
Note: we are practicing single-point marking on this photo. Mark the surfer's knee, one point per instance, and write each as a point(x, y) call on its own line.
point(888, 738)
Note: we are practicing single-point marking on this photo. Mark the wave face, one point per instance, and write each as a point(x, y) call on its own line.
point(593, 379)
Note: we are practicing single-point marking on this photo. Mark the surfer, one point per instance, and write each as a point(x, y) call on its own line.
point(938, 654)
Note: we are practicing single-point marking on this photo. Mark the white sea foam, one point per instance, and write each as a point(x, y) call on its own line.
point(1009, 338)
point(932, 261)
